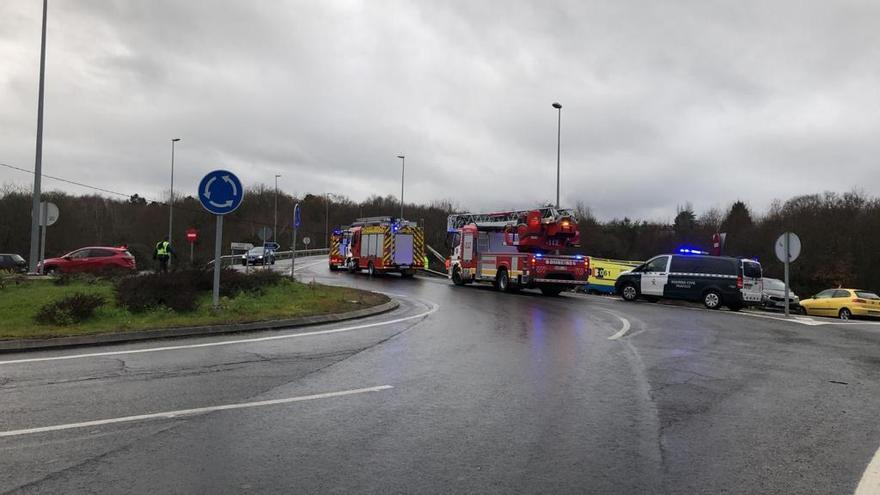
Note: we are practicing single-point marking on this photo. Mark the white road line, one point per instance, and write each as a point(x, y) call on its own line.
point(870, 483)
point(434, 308)
point(190, 412)
point(623, 330)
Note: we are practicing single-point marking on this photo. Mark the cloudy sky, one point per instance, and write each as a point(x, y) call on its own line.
point(663, 102)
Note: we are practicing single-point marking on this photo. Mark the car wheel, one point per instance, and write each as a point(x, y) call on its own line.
point(712, 299)
point(50, 271)
point(844, 314)
point(457, 279)
point(502, 280)
point(629, 292)
point(801, 310)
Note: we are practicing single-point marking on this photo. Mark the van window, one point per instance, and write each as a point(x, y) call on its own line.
point(657, 264)
point(715, 266)
point(751, 269)
point(683, 264)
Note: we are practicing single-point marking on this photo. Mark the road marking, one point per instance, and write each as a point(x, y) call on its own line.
point(870, 483)
point(190, 412)
point(434, 308)
point(623, 330)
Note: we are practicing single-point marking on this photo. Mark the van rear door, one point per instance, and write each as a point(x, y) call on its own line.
point(752, 283)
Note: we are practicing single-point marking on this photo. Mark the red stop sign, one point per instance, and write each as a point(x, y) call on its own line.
point(192, 235)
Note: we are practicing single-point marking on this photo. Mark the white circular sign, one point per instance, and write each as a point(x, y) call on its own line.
point(306, 241)
point(794, 247)
point(50, 210)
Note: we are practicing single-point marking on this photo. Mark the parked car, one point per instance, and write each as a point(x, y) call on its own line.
point(712, 280)
point(842, 303)
point(258, 256)
point(773, 295)
point(13, 262)
point(90, 259)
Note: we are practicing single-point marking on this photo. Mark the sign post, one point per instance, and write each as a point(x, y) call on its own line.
point(788, 248)
point(48, 217)
point(296, 221)
point(192, 235)
point(220, 192)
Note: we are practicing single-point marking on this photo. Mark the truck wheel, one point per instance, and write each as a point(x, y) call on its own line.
point(371, 270)
point(502, 280)
point(407, 274)
point(352, 266)
point(333, 267)
point(629, 292)
point(457, 279)
point(712, 299)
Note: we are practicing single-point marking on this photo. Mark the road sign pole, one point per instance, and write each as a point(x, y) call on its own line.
point(44, 222)
point(191, 253)
point(218, 241)
point(787, 261)
point(293, 248)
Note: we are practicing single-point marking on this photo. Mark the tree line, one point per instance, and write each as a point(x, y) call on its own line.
point(840, 232)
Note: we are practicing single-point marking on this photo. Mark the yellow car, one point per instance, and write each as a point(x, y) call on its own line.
point(842, 303)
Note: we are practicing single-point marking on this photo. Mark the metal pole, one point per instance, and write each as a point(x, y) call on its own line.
point(293, 248)
point(44, 221)
point(787, 259)
point(402, 170)
point(191, 253)
point(38, 159)
point(326, 220)
point(218, 241)
point(275, 228)
point(558, 107)
point(171, 196)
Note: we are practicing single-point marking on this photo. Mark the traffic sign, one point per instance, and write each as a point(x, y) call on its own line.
point(306, 241)
point(241, 246)
point(297, 215)
point(264, 233)
point(274, 246)
point(192, 235)
point(794, 247)
point(220, 192)
point(48, 214)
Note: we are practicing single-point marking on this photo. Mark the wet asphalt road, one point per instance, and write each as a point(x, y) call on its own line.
point(490, 393)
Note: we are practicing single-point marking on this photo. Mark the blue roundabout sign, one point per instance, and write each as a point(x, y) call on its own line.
point(220, 192)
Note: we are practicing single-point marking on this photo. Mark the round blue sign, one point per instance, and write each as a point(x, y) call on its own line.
point(220, 192)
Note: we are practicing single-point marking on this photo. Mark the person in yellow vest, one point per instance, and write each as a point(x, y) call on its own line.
point(426, 264)
point(163, 253)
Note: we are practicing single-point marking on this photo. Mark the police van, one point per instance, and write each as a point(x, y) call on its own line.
point(713, 280)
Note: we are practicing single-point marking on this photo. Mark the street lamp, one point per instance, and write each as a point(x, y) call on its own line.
point(38, 159)
point(402, 170)
point(275, 228)
point(171, 195)
point(558, 107)
point(326, 219)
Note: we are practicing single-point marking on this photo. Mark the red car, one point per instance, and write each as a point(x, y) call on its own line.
point(90, 259)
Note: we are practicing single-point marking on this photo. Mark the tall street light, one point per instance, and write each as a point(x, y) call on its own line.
point(326, 219)
point(402, 170)
point(38, 160)
point(275, 228)
point(558, 107)
point(171, 195)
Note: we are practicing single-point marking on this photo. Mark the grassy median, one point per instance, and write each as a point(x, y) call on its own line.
point(20, 302)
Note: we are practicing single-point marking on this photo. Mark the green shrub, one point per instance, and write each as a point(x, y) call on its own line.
point(174, 290)
point(71, 309)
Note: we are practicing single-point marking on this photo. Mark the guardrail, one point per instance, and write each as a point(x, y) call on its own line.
point(234, 259)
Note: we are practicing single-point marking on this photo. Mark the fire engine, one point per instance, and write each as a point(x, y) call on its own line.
point(515, 249)
point(379, 245)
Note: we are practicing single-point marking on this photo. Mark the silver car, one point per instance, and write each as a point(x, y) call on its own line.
point(773, 295)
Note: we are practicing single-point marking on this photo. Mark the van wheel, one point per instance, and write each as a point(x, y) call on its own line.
point(502, 280)
point(844, 314)
point(629, 292)
point(457, 279)
point(712, 299)
point(371, 270)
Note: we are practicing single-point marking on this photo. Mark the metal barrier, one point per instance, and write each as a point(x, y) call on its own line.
point(234, 259)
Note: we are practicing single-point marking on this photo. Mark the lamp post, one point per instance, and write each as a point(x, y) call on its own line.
point(558, 107)
point(38, 159)
point(327, 220)
point(171, 196)
point(402, 170)
point(275, 228)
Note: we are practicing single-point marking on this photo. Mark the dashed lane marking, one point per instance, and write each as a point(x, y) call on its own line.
point(190, 412)
point(434, 308)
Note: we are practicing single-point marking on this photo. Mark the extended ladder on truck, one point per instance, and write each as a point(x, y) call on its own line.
point(503, 219)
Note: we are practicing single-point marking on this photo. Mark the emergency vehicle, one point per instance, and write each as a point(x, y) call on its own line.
point(514, 250)
point(604, 273)
point(379, 245)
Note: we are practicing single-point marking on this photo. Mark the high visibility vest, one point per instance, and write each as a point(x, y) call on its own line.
point(162, 248)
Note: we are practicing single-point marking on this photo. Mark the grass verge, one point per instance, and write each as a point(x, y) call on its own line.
point(19, 303)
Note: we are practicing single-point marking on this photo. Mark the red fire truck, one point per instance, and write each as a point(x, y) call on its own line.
point(515, 249)
point(379, 245)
